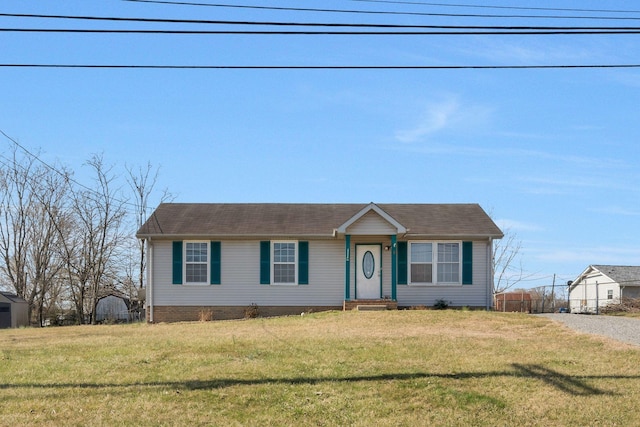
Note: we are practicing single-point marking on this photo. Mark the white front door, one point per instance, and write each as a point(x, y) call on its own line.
point(368, 272)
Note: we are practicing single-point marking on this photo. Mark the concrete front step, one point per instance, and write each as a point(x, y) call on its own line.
point(370, 305)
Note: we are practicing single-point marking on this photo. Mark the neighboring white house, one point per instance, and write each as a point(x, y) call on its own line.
point(219, 259)
point(600, 285)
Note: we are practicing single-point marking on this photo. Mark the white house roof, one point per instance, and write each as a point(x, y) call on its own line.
point(321, 220)
point(624, 275)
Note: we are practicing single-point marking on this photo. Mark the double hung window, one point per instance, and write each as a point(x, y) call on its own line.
point(435, 263)
point(421, 263)
point(448, 263)
point(284, 262)
point(196, 262)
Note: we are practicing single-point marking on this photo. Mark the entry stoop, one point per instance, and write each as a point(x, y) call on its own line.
point(370, 305)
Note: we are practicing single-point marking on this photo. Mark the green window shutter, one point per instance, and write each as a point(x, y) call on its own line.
point(467, 263)
point(265, 262)
point(177, 263)
point(303, 263)
point(402, 263)
point(216, 258)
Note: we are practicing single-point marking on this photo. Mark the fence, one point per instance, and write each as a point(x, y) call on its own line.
point(525, 302)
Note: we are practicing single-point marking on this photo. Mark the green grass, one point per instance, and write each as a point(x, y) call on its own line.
point(397, 368)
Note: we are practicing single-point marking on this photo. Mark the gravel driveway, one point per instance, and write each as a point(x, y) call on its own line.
point(623, 329)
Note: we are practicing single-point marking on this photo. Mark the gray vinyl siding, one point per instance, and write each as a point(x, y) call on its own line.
point(240, 284)
point(474, 295)
point(371, 224)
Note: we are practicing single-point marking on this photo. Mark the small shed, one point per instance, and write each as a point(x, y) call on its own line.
point(112, 308)
point(513, 302)
point(14, 311)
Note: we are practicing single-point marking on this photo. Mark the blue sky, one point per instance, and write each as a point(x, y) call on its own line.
point(552, 154)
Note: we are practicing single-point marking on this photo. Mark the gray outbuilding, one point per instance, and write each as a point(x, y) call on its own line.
point(14, 311)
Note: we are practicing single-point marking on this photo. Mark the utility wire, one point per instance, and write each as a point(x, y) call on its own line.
point(326, 33)
point(322, 67)
point(433, 14)
point(316, 24)
point(65, 176)
point(489, 6)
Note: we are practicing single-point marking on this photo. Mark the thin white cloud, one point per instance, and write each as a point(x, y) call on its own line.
point(511, 224)
point(627, 78)
point(617, 210)
point(449, 114)
point(437, 116)
point(533, 52)
point(568, 183)
point(591, 255)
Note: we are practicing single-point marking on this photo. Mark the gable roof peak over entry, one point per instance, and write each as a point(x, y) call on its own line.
point(322, 220)
point(372, 207)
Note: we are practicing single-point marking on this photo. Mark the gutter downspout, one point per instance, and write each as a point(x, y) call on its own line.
point(150, 278)
point(490, 289)
point(347, 284)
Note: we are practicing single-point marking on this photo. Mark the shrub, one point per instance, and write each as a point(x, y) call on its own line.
point(441, 304)
point(251, 312)
point(205, 315)
point(626, 305)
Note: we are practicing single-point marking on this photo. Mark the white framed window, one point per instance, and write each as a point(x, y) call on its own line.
point(285, 266)
point(196, 256)
point(435, 263)
point(421, 262)
point(448, 263)
point(610, 294)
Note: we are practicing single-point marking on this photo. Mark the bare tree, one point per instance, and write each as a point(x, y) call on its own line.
point(46, 243)
point(32, 198)
point(99, 215)
point(142, 183)
point(507, 262)
point(16, 202)
point(62, 242)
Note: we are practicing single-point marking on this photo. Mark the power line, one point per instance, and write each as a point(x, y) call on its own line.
point(65, 176)
point(490, 6)
point(308, 24)
point(326, 33)
point(432, 14)
point(322, 67)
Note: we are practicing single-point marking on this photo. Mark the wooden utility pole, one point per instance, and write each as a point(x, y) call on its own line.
point(553, 295)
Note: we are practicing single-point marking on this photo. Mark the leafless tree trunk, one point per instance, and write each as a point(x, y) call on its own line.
point(16, 204)
point(46, 250)
point(507, 263)
point(142, 183)
point(100, 215)
point(63, 242)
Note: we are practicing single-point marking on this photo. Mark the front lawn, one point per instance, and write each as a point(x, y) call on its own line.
point(354, 368)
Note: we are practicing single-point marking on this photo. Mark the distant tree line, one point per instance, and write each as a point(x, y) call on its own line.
point(65, 244)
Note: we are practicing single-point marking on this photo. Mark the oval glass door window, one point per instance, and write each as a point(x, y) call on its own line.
point(368, 265)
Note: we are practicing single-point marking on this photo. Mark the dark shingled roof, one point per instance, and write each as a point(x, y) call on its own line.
point(301, 219)
point(625, 275)
point(13, 297)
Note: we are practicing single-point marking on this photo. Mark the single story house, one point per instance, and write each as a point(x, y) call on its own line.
point(283, 258)
point(14, 311)
point(600, 285)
